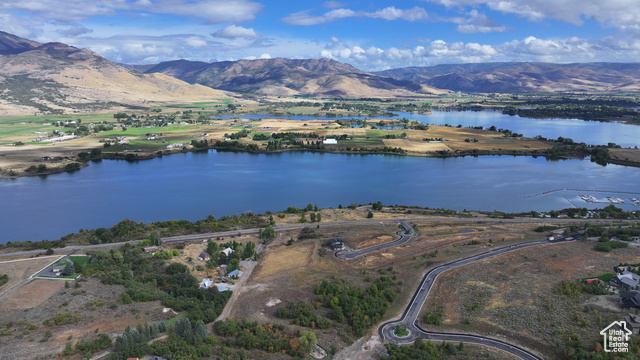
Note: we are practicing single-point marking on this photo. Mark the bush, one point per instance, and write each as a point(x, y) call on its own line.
point(64, 318)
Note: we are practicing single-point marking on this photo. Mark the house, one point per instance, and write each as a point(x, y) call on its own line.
point(630, 299)
point(227, 251)
point(206, 284)
point(204, 256)
point(330, 142)
point(151, 249)
point(235, 273)
point(633, 321)
point(336, 244)
point(222, 288)
point(627, 280)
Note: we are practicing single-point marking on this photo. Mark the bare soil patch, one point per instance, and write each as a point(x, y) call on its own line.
point(35, 293)
point(19, 271)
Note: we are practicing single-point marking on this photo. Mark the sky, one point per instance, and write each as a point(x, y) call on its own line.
point(370, 35)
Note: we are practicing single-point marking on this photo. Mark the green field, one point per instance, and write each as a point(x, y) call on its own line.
point(51, 118)
point(80, 260)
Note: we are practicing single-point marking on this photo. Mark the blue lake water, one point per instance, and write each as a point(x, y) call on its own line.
point(193, 185)
point(590, 132)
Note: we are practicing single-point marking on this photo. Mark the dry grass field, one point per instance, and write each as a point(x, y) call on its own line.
point(632, 155)
point(19, 270)
point(512, 296)
point(291, 273)
point(32, 294)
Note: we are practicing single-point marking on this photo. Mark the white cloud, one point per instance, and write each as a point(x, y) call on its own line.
point(196, 42)
point(232, 31)
point(477, 23)
point(614, 13)
point(574, 49)
point(388, 13)
point(213, 11)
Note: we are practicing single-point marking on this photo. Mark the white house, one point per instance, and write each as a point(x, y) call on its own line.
point(330, 142)
point(206, 283)
point(227, 251)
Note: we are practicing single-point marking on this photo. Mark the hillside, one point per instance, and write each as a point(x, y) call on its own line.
point(58, 78)
point(525, 77)
point(279, 76)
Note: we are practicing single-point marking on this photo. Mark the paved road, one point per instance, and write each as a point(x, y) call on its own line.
point(405, 236)
point(411, 313)
point(195, 237)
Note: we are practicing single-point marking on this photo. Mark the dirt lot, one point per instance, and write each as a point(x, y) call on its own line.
point(32, 294)
point(512, 296)
point(20, 269)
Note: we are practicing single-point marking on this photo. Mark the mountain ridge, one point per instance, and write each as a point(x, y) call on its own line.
point(282, 76)
point(525, 77)
point(55, 78)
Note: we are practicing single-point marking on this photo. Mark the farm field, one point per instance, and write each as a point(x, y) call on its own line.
point(148, 141)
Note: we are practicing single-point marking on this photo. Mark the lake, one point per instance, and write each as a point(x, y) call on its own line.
point(193, 185)
point(589, 132)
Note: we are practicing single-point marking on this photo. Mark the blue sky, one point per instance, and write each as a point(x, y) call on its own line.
point(371, 35)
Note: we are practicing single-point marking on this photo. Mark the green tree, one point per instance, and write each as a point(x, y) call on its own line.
point(268, 234)
point(69, 268)
point(155, 238)
point(249, 250)
point(234, 264)
point(369, 215)
point(312, 217)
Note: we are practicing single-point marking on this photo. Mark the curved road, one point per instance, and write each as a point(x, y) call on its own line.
point(412, 311)
point(404, 237)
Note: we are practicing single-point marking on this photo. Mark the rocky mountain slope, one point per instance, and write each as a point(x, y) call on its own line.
point(58, 78)
point(279, 76)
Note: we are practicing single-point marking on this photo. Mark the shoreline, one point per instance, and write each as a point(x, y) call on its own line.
point(141, 156)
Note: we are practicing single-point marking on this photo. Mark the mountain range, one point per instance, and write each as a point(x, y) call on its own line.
point(58, 78)
point(518, 77)
point(55, 78)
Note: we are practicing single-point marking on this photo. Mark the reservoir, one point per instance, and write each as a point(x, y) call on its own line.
point(193, 185)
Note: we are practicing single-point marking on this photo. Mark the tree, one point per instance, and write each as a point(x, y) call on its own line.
point(234, 264)
point(155, 238)
point(369, 215)
point(267, 234)
point(249, 250)
point(69, 268)
point(49, 251)
point(212, 247)
point(318, 217)
point(312, 216)
point(303, 218)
